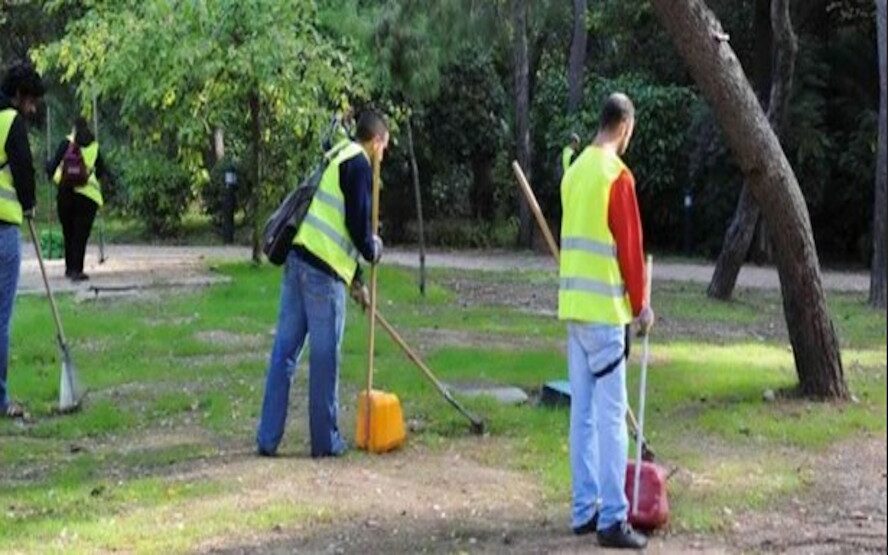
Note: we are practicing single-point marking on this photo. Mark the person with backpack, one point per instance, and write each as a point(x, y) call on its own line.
point(322, 261)
point(79, 171)
point(20, 92)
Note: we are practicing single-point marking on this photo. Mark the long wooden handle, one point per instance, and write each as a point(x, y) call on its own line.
point(55, 309)
point(535, 208)
point(374, 224)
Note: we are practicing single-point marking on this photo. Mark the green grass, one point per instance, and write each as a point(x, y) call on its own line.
point(152, 372)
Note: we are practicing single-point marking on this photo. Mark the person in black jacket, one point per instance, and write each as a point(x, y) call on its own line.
point(20, 92)
point(78, 205)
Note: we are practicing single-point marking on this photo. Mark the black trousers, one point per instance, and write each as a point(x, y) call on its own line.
point(77, 214)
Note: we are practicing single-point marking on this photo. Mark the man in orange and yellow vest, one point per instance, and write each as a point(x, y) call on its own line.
point(602, 290)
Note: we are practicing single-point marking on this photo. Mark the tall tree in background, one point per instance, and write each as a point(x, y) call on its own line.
point(260, 69)
point(878, 278)
point(703, 44)
point(739, 236)
point(521, 77)
point(577, 64)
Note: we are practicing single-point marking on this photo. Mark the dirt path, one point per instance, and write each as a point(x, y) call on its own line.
point(750, 276)
point(132, 266)
point(145, 265)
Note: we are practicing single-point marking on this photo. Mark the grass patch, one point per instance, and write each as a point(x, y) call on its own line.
point(707, 412)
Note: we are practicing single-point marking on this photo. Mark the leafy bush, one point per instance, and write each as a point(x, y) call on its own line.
point(657, 156)
point(159, 190)
point(462, 233)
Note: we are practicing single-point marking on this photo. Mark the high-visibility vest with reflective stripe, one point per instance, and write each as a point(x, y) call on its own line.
point(323, 231)
point(566, 156)
point(10, 207)
point(591, 284)
point(93, 189)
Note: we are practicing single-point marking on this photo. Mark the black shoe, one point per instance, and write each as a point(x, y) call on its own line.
point(263, 453)
point(589, 528)
point(80, 276)
point(621, 536)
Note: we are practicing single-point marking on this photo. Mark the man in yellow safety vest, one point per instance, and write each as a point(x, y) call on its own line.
point(20, 91)
point(602, 289)
point(323, 261)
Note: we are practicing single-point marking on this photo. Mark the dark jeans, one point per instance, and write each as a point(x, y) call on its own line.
point(77, 214)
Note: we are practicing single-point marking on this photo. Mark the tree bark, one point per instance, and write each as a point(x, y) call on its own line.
point(218, 144)
point(256, 139)
point(703, 44)
point(742, 230)
point(521, 71)
point(877, 276)
point(414, 169)
point(577, 65)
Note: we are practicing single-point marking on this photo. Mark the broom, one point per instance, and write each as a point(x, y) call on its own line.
point(70, 393)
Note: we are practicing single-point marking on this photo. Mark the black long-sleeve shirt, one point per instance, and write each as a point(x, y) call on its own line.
point(356, 183)
point(18, 156)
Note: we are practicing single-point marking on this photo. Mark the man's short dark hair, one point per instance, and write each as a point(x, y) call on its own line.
point(22, 78)
point(371, 125)
point(617, 109)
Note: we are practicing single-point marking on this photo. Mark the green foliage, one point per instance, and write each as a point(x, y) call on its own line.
point(159, 190)
point(657, 155)
point(52, 244)
point(466, 233)
point(207, 61)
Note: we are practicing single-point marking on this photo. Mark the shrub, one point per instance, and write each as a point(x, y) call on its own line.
point(159, 190)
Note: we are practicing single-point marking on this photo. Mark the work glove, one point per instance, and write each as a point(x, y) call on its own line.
point(377, 249)
point(645, 321)
point(360, 293)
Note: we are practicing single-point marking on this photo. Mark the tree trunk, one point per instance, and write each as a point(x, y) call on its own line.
point(877, 280)
point(742, 230)
point(702, 43)
point(577, 63)
point(737, 241)
point(414, 169)
point(521, 71)
point(482, 188)
point(256, 128)
point(218, 144)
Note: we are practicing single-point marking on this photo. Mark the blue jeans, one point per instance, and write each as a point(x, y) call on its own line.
point(312, 304)
point(599, 440)
point(10, 263)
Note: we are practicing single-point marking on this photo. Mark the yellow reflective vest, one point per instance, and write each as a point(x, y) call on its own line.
point(10, 207)
point(566, 156)
point(93, 189)
point(323, 231)
point(591, 286)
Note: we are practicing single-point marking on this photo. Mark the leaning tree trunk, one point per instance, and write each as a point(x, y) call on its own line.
point(414, 169)
point(521, 70)
point(701, 41)
point(742, 230)
point(256, 128)
point(877, 281)
point(577, 63)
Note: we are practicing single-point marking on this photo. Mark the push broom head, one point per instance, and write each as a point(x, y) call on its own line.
point(70, 393)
